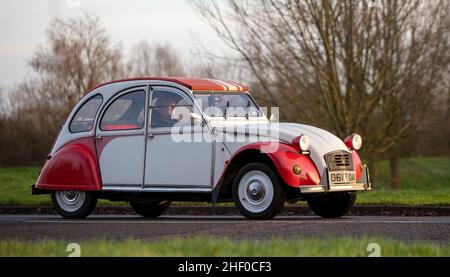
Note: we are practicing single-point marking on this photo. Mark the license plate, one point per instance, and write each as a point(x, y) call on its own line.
point(342, 177)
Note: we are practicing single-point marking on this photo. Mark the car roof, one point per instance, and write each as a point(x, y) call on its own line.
point(194, 84)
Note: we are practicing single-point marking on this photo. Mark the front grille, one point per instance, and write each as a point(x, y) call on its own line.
point(339, 160)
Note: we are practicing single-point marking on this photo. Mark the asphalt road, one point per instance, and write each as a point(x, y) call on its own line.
point(38, 227)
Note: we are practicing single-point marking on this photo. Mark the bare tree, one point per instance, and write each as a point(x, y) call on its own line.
point(343, 65)
point(155, 60)
point(77, 56)
point(447, 120)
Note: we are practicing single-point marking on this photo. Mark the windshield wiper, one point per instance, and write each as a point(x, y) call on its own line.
point(225, 110)
point(247, 110)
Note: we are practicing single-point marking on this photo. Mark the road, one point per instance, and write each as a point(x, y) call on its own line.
point(38, 227)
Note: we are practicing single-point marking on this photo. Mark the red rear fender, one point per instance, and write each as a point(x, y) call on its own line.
point(73, 167)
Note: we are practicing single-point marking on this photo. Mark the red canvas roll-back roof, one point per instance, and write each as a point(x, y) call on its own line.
point(195, 84)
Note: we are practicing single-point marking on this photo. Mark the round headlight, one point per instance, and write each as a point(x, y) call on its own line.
point(353, 142)
point(301, 143)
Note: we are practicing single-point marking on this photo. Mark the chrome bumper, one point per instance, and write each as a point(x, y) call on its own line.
point(324, 186)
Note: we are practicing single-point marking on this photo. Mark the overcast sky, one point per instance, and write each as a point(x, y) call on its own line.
point(23, 24)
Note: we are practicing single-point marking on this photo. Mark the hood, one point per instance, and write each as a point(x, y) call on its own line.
point(322, 142)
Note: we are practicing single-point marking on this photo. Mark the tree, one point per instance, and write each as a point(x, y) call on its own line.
point(78, 55)
point(155, 60)
point(343, 65)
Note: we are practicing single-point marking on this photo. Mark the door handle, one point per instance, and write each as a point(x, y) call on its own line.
point(98, 138)
point(150, 135)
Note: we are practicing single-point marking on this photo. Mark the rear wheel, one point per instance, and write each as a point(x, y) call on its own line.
point(257, 193)
point(153, 209)
point(74, 204)
point(331, 205)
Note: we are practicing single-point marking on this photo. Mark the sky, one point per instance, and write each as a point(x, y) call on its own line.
point(23, 24)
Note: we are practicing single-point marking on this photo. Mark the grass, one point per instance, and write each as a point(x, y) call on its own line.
point(425, 181)
point(424, 173)
point(404, 197)
point(15, 187)
point(219, 247)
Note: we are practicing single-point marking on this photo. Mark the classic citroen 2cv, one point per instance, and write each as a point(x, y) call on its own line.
point(150, 141)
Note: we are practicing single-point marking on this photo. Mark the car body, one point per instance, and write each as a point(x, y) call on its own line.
point(153, 140)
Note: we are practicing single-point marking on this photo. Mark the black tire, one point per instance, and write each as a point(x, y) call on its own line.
point(153, 209)
point(332, 205)
point(272, 206)
point(82, 205)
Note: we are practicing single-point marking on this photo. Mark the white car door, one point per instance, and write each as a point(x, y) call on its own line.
point(120, 139)
point(179, 149)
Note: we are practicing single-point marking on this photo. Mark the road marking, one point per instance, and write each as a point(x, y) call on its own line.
point(133, 222)
point(234, 221)
point(182, 219)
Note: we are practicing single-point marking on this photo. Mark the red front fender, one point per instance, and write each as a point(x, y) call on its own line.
point(357, 164)
point(284, 160)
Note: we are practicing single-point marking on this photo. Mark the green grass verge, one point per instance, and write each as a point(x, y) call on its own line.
point(15, 187)
point(425, 181)
point(218, 247)
point(404, 197)
point(424, 173)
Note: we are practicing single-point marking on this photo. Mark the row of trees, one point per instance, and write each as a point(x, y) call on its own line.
point(378, 68)
point(346, 66)
point(77, 56)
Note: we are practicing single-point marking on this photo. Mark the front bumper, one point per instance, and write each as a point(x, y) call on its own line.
point(324, 185)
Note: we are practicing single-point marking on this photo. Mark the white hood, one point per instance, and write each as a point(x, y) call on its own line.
point(322, 142)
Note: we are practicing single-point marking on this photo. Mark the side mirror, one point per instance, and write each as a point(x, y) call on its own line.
point(273, 118)
point(197, 119)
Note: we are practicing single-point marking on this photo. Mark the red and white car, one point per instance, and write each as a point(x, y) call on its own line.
point(150, 141)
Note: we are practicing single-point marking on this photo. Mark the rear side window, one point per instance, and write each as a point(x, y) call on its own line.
point(125, 113)
point(83, 121)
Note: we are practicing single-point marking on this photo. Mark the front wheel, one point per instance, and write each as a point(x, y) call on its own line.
point(153, 209)
point(332, 205)
point(74, 204)
point(257, 192)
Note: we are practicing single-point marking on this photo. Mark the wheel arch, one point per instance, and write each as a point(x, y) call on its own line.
point(240, 158)
point(73, 167)
point(279, 161)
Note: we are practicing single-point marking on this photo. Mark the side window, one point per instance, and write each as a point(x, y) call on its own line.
point(170, 109)
point(83, 121)
point(205, 100)
point(125, 113)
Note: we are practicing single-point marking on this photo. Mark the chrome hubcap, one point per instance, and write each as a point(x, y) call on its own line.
point(255, 191)
point(70, 201)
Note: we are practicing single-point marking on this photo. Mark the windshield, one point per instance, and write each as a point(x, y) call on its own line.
point(227, 104)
